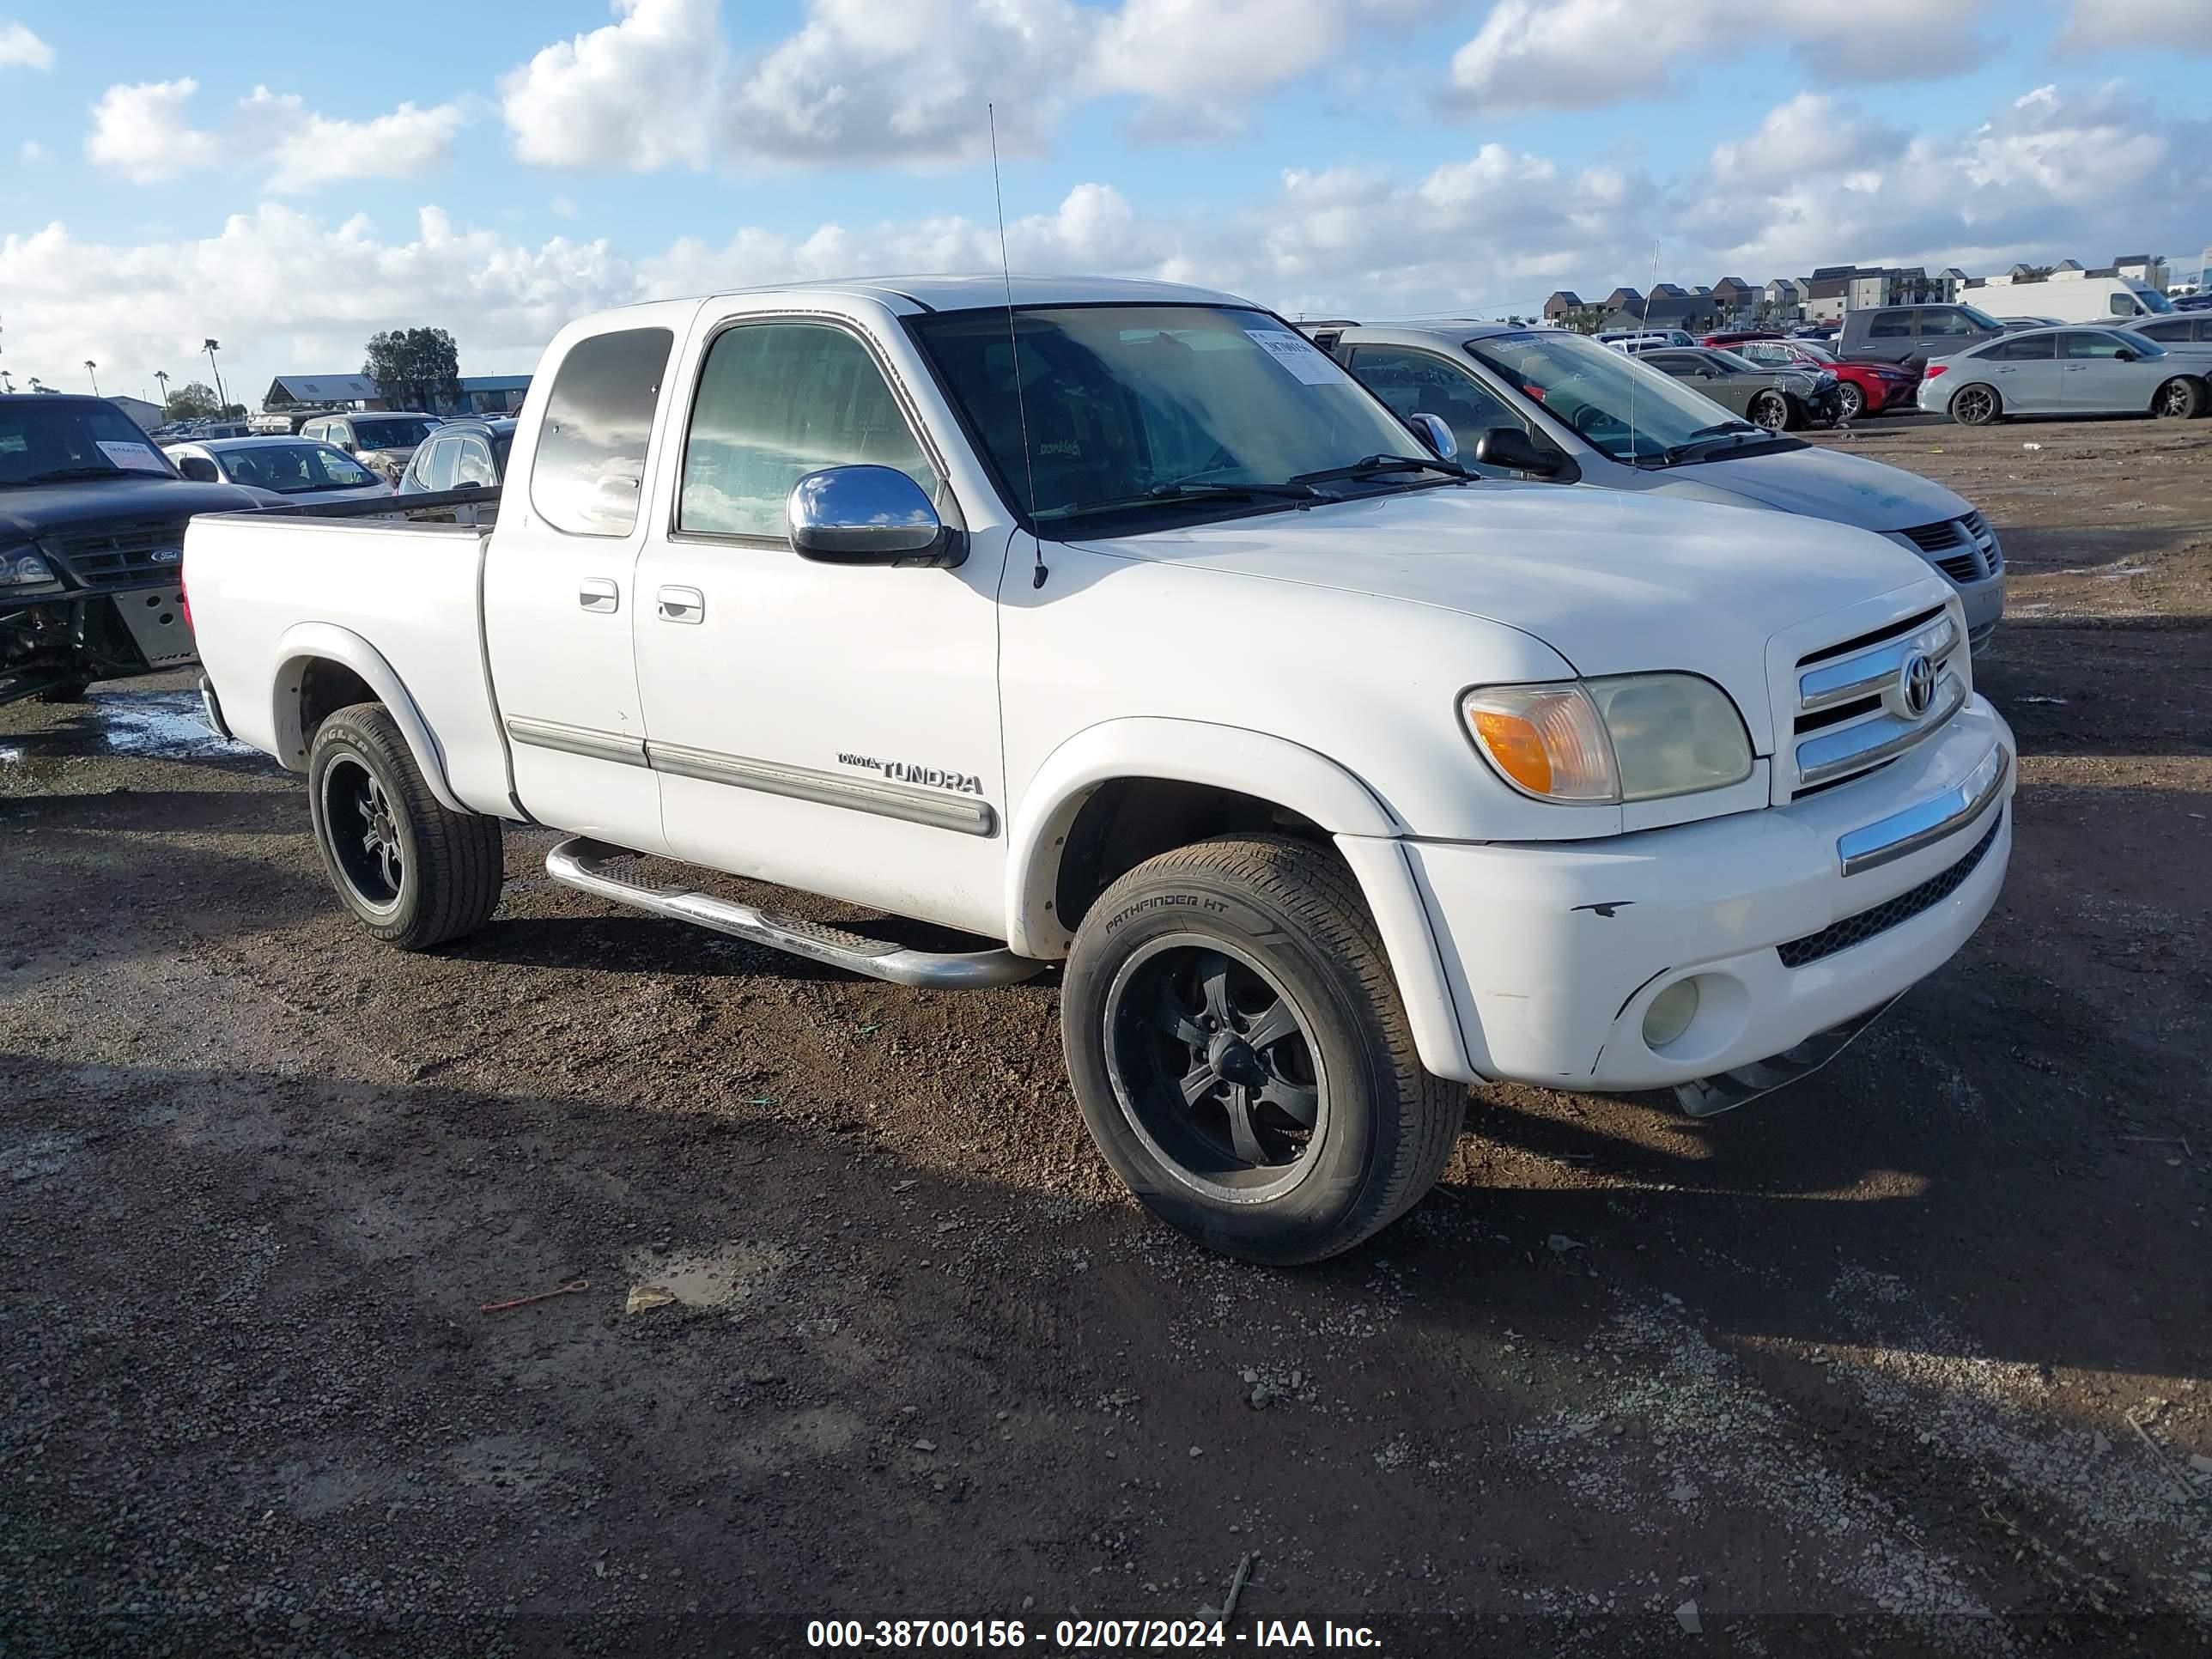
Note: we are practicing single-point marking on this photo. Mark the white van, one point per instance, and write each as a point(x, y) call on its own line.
point(2073, 296)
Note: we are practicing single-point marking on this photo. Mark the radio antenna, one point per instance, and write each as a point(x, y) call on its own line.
point(1014, 340)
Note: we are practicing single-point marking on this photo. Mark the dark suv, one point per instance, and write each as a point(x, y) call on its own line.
point(1911, 335)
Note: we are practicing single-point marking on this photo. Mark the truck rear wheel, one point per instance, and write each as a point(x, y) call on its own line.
point(1241, 1054)
point(417, 873)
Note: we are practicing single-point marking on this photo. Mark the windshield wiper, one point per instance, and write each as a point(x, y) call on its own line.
point(62, 474)
point(1724, 434)
point(1370, 466)
point(1196, 489)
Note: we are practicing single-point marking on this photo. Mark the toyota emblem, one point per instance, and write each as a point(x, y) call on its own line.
point(1916, 684)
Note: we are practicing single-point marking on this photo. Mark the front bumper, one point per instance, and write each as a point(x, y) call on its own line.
point(1553, 953)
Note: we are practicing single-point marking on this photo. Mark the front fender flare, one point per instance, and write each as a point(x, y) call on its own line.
point(1364, 828)
point(306, 642)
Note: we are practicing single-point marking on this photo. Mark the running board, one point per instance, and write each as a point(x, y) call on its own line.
point(582, 863)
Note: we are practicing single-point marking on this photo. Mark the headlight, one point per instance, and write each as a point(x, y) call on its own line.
point(1628, 737)
point(23, 568)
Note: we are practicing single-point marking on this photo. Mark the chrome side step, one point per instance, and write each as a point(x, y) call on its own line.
point(582, 863)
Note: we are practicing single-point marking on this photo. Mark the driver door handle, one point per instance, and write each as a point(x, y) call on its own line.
point(598, 593)
point(681, 605)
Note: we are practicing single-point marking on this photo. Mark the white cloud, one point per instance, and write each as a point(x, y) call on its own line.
point(32, 152)
point(860, 81)
point(638, 94)
point(311, 150)
point(142, 131)
point(21, 49)
point(1585, 54)
point(2049, 174)
point(863, 81)
point(2168, 25)
point(1811, 132)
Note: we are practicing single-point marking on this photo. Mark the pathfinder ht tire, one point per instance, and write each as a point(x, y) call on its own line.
point(1242, 1057)
point(73, 691)
point(414, 872)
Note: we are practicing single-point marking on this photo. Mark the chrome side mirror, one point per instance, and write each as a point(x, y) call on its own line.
point(1437, 432)
point(864, 514)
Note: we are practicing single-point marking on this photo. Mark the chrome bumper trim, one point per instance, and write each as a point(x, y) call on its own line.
point(1924, 823)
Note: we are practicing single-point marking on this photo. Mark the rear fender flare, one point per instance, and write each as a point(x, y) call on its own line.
point(307, 642)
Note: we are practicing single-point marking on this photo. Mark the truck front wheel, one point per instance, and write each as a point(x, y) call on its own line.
point(1241, 1054)
point(414, 872)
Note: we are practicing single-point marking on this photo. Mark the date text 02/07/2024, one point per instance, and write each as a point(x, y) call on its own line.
point(1087, 1635)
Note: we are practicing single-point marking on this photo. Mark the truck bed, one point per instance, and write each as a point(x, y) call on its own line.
point(364, 583)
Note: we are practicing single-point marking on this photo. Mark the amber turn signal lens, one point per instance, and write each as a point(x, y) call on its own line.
point(1517, 747)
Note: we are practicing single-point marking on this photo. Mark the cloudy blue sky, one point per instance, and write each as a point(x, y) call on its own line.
point(290, 179)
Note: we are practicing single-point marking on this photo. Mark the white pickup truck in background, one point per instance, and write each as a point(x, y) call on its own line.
point(1120, 627)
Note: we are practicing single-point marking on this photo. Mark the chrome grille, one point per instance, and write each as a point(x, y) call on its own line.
point(125, 554)
point(1849, 714)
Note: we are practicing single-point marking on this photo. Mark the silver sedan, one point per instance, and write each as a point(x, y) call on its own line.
point(2065, 371)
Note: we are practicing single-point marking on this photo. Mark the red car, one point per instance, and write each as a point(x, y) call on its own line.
point(1866, 388)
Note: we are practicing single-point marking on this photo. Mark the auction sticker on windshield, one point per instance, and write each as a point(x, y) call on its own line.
point(135, 458)
point(1300, 355)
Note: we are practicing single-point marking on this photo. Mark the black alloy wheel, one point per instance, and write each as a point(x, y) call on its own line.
point(1974, 405)
point(1771, 410)
point(1213, 1067)
point(364, 833)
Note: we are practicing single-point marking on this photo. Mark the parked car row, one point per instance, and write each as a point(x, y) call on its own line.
point(1548, 404)
point(2069, 371)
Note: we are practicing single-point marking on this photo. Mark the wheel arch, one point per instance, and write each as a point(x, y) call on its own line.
point(321, 667)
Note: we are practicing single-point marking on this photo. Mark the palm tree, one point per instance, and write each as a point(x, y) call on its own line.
point(163, 378)
point(89, 366)
point(7, 380)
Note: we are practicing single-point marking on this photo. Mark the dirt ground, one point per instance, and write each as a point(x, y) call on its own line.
point(1911, 1358)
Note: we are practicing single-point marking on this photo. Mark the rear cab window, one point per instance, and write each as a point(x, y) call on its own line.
point(588, 473)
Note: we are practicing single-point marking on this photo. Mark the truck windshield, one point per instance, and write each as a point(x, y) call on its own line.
point(1135, 411)
point(46, 439)
point(1626, 409)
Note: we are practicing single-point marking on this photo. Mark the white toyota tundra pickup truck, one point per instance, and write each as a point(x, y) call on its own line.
point(1113, 625)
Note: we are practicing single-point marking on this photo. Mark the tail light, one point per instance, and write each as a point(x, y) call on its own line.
point(1932, 370)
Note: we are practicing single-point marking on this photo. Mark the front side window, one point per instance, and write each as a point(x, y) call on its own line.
point(777, 401)
point(1413, 382)
point(2121, 305)
point(589, 471)
point(1891, 326)
point(1131, 410)
point(1944, 324)
point(2176, 329)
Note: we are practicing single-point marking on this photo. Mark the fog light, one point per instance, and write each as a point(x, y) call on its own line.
point(1670, 1013)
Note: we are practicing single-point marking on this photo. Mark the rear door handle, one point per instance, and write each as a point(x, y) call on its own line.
point(598, 593)
point(681, 605)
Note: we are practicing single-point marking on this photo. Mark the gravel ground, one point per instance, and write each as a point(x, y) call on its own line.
point(1911, 1358)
